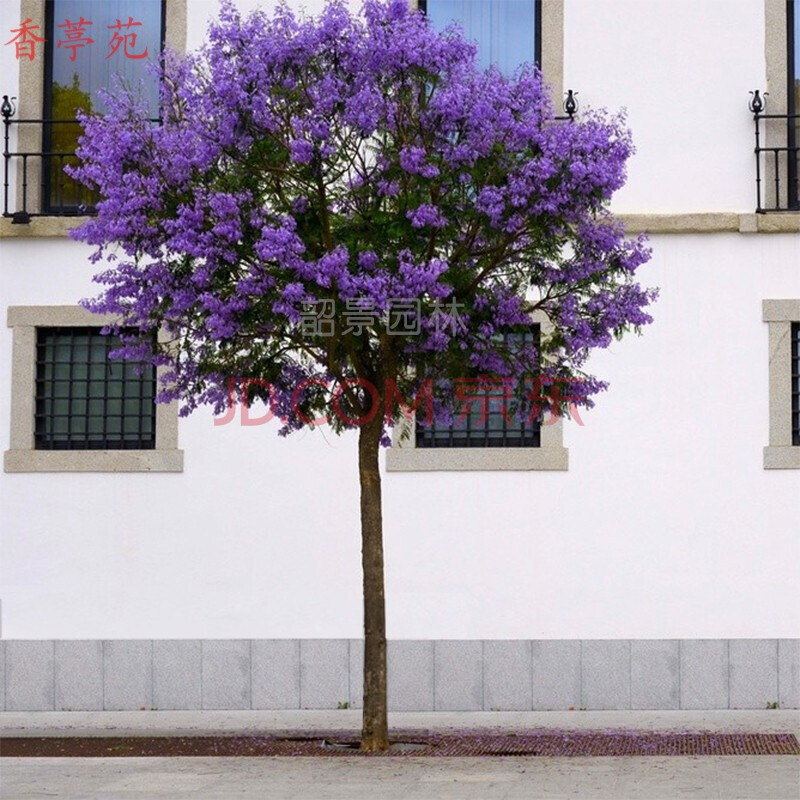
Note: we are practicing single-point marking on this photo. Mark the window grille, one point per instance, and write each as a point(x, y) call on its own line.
point(495, 422)
point(87, 401)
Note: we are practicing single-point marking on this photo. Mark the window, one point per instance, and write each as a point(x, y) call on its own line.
point(490, 420)
point(783, 450)
point(493, 445)
point(508, 32)
point(74, 409)
point(52, 86)
point(87, 401)
point(74, 78)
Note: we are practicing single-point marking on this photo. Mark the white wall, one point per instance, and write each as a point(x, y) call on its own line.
point(665, 525)
point(683, 70)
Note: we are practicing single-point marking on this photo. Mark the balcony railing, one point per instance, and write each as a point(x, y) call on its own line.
point(777, 158)
point(34, 181)
point(41, 188)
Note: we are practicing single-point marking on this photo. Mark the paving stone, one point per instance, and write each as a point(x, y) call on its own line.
point(556, 674)
point(507, 676)
point(177, 674)
point(411, 675)
point(30, 676)
point(605, 674)
point(276, 673)
point(79, 675)
point(2, 675)
point(704, 673)
point(127, 674)
point(458, 675)
point(789, 673)
point(226, 673)
point(324, 673)
point(356, 673)
point(753, 672)
point(655, 673)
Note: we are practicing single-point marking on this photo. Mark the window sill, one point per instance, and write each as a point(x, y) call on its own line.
point(404, 456)
point(712, 222)
point(465, 459)
point(40, 227)
point(94, 461)
point(781, 457)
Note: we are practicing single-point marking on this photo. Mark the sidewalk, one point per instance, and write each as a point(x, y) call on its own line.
point(166, 723)
point(650, 778)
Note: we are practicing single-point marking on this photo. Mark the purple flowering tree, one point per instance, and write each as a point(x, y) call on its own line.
point(357, 161)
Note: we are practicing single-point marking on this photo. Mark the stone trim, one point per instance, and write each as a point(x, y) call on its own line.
point(711, 222)
point(405, 456)
point(176, 25)
point(779, 315)
point(775, 55)
point(782, 222)
point(774, 130)
point(552, 49)
point(700, 222)
point(705, 222)
point(54, 316)
point(23, 457)
point(40, 227)
point(424, 674)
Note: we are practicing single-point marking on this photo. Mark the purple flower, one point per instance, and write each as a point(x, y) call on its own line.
point(363, 159)
point(301, 150)
point(426, 215)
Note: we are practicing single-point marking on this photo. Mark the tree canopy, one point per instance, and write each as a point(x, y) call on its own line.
point(357, 163)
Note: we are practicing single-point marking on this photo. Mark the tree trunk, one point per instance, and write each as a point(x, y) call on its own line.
point(375, 727)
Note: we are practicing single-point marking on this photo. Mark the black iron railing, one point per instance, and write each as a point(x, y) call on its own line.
point(42, 187)
point(777, 158)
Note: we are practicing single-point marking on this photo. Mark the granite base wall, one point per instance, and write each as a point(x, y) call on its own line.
point(424, 675)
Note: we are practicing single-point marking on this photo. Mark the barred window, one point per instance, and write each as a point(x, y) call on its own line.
point(88, 401)
point(796, 384)
point(493, 422)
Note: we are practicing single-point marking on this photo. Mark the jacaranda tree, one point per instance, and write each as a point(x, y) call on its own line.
point(358, 162)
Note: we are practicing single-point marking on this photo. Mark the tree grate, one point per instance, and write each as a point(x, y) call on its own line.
point(542, 743)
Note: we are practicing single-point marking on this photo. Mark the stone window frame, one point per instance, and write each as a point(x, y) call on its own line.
point(777, 102)
point(404, 456)
point(780, 453)
point(30, 105)
point(552, 47)
point(22, 455)
point(551, 455)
